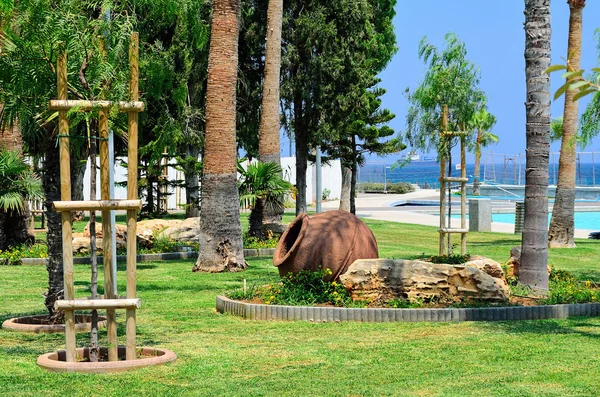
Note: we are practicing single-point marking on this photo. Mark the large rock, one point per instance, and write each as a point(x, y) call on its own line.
point(121, 231)
point(148, 229)
point(385, 279)
point(81, 245)
point(186, 231)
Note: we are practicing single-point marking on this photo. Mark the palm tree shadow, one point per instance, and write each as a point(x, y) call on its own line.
point(544, 327)
point(7, 316)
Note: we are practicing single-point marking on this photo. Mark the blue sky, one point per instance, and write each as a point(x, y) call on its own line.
point(494, 37)
point(493, 33)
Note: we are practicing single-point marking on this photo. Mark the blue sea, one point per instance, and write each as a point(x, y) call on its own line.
point(426, 174)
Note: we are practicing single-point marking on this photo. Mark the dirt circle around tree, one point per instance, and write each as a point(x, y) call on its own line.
point(40, 324)
point(147, 357)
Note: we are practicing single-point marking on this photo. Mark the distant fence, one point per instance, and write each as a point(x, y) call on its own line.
point(496, 167)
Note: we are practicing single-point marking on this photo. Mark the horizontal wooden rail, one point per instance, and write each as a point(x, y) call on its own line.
point(447, 230)
point(64, 104)
point(453, 179)
point(63, 206)
point(96, 304)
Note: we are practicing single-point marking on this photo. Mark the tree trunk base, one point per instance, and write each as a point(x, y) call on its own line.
point(221, 246)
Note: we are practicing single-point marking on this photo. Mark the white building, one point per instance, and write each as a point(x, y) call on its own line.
point(331, 179)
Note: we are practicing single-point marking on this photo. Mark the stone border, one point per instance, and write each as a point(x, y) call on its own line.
point(252, 311)
point(167, 256)
point(55, 361)
point(12, 324)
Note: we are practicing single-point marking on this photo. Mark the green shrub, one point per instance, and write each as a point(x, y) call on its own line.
point(396, 187)
point(452, 259)
point(560, 275)
point(405, 304)
point(304, 289)
point(12, 256)
point(257, 243)
point(325, 194)
point(564, 288)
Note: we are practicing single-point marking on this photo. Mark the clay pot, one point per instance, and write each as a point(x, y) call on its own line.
point(332, 240)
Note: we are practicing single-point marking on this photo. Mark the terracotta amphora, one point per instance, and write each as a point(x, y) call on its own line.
point(332, 240)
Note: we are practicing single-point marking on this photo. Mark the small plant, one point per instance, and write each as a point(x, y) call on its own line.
point(405, 303)
point(325, 194)
point(303, 289)
point(452, 259)
point(241, 294)
point(258, 243)
point(560, 275)
point(13, 256)
point(564, 288)
point(307, 288)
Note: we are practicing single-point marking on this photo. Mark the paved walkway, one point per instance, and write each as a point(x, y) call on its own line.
point(379, 206)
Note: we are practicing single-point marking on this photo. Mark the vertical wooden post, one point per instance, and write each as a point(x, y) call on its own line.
point(65, 195)
point(109, 293)
point(444, 127)
point(132, 182)
point(463, 191)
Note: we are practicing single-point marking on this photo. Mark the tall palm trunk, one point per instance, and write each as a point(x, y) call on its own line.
point(221, 246)
point(562, 225)
point(11, 138)
point(268, 144)
point(534, 256)
point(477, 170)
point(51, 184)
point(346, 187)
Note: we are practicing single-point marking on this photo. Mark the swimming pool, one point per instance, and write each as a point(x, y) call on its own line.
point(583, 220)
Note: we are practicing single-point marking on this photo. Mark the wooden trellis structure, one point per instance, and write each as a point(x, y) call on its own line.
point(444, 230)
point(110, 302)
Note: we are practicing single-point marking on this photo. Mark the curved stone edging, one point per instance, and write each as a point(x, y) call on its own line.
point(253, 311)
point(13, 324)
point(167, 256)
point(55, 361)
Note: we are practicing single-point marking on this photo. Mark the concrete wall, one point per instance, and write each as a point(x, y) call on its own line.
point(331, 174)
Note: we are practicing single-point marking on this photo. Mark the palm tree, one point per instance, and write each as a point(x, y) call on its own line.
point(268, 144)
point(220, 227)
point(481, 122)
point(534, 252)
point(17, 184)
point(562, 225)
point(261, 188)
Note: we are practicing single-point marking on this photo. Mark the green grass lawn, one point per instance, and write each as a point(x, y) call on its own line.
point(225, 355)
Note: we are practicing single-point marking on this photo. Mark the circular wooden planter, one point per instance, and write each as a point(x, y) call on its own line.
point(55, 361)
point(35, 324)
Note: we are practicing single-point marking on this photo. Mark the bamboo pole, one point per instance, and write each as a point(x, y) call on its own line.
point(132, 182)
point(463, 193)
point(65, 194)
point(442, 182)
point(97, 205)
point(123, 106)
point(109, 293)
point(97, 304)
